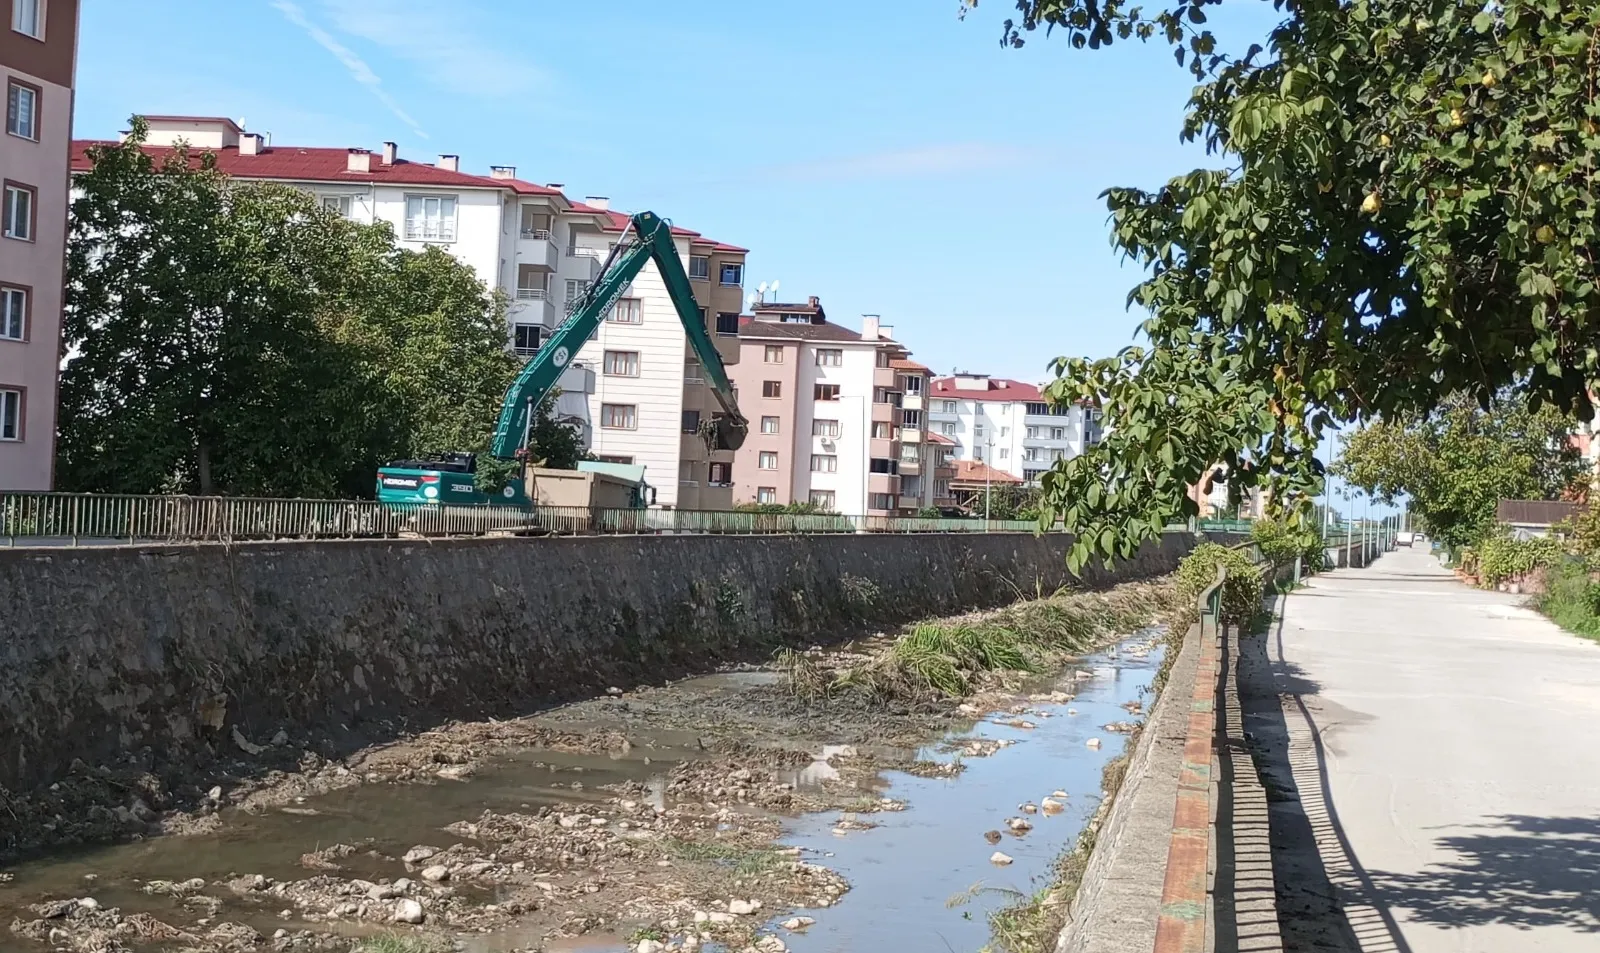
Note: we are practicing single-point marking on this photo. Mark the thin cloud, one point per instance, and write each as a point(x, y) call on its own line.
point(922, 162)
point(359, 70)
point(436, 38)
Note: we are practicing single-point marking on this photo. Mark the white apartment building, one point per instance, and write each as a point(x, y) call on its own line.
point(541, 250)
point(1008, 424)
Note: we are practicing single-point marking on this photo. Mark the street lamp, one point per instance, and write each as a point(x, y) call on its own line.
point(988, 470)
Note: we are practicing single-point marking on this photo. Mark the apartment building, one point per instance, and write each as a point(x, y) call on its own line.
point(1008, 424)
point(38, 59)
point(629, 390)
point(827, 414)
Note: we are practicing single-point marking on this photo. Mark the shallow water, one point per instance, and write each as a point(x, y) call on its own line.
point(904, 873)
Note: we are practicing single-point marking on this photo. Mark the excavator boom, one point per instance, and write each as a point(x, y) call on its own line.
point(648, 237)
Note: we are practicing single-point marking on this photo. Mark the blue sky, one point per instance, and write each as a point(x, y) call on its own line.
point(883, 155)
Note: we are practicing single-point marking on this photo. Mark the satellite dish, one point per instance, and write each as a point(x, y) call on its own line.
point(762, 287)
point(750, 301)
point(774, 286)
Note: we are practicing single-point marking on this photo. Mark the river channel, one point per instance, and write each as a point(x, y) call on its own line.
point(915, 856)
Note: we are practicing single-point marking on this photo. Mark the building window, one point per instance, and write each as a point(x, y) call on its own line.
point(721, 474)
point(880, 501)
point(948, 429)
point(627, 311)
point(822, 500)
point(1032, 476)
point(699, 267)
point(911, 418)
point(824, 463)
point(947, 406)
point(1005, 431)
point(883, 358)
point(17, 215)
point(766, 494)
point(10, 414)
point(911, 385)
point(1032, 433)
point(791, 318)
point(1058, 454)
point(882, 430)
point(731, 274)
point(883, 395)
point(22, 110)
point(771, 388)
point(430, 218)
point(1005, 452)
point(824, 428)
point(27, 17)
point(525, 338)
point(338, 204)
point(1037, 409)
point(826, 392)
point(691, 421)
point(1030, 453)
point(830, 357)
point(977, 453)
point(769, 425)
point(1058, 433)
point(727, 322)
point(613, 458)
point(13, 313)
point(694, 372)
point(619, 417)
point(576, 289)
point(622, 364)
point(767, 460)
point(881, 465)
point(772, 354)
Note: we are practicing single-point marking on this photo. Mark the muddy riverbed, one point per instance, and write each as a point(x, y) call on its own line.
point(717, 813)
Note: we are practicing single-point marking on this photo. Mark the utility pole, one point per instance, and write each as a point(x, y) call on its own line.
point(988, 471)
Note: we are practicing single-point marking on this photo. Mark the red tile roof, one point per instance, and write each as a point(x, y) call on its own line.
point(936, 437)
point(222, 119)
point(297, 164)
point(905, 364)
point(975, 471)
point(823, 331)
point(1000, 388)
point(523, 187)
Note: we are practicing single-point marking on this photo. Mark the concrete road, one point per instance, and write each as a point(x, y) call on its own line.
point(1446, 747)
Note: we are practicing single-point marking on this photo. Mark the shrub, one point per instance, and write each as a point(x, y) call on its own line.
point(1241, 593)
point(1501, 557)
point(1572, 599)
point(1278, 541)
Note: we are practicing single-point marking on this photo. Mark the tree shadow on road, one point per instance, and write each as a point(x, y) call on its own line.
point(1518, 870)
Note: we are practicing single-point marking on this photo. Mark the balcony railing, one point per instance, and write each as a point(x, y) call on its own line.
point(574, 251)
point(537, 234)
point(532, 294)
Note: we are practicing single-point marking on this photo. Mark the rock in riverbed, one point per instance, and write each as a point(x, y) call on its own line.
point(999, 859)
point(408, 911)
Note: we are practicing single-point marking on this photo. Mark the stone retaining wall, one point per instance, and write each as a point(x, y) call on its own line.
point(156, 655)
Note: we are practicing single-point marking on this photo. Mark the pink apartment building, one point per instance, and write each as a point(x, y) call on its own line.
point(38, 56)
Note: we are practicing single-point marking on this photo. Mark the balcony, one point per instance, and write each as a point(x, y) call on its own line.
point(886, 377)
point(536, 246)
point(884, 413)
point(533, 305)
point(910, 435)
point(583, 263)
point(883, 483)
point(910, 465)
point(910, 503)
point(882, 448)
point(911, 401)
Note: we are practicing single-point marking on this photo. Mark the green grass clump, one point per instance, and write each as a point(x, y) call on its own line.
point(390, 943)
point(1572, 600)
point(744, 861)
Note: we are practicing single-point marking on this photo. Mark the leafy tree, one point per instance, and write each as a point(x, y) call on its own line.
point(1402, 208)
point(194, 360)
point(1458, 462)
point(232, 337)
point(798, 509)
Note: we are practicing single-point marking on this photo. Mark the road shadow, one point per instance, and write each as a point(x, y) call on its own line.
point(1326, 902)
point(1516, 869)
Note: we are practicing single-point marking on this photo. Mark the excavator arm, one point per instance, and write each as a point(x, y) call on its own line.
point(647, 237)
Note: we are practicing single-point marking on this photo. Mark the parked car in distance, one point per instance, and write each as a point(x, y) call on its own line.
point(1403, 539)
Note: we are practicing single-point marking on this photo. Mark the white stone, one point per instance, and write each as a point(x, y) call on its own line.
point(418, 854)
point(215, 793)
point(1028, 808)
point(797, 923)
point(743, 907)
point(717, 916)
point(280, 739)
point(1019, 825)
point(999, 859)
point(88, 903)
point(770, 944)
point(408, 911)
point(1051, 806)
point(1093, 742)
point(436, 873)
point(649, 946)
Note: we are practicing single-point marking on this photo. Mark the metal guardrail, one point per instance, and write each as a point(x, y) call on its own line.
point(88, 519)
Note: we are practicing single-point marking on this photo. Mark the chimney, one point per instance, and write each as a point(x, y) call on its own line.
point(359, 160)
point(391, 152)
point(869, 325)
point(450, 163)
point(601, 202)
point(249, 144)
point(814, 302)
point(502, 172)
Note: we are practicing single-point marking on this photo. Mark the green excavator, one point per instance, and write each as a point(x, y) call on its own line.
point(451, 478)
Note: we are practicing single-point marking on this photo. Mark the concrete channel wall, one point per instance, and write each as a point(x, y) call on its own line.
point(161, 653)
